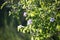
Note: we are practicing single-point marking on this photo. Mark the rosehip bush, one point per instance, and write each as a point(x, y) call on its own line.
point(42, 17)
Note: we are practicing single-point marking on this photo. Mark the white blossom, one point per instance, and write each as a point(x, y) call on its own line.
point(20, 26)
point(24, 14)
point(29, 22)
point(52, 20)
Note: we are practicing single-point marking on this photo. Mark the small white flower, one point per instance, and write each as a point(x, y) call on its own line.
point(29, 22)
point(24, 14)
point(52, 20)
point(20, 26)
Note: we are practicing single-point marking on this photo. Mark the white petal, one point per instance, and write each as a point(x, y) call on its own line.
point(25, 14)
point(29, 22)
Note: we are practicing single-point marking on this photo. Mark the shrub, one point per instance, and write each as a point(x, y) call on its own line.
point(43, 16)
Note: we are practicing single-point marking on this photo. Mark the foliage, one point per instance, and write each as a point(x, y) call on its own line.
point(41, 12)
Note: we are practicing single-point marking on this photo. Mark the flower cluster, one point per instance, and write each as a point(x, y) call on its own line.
point(29, 22)
point(52, 20)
